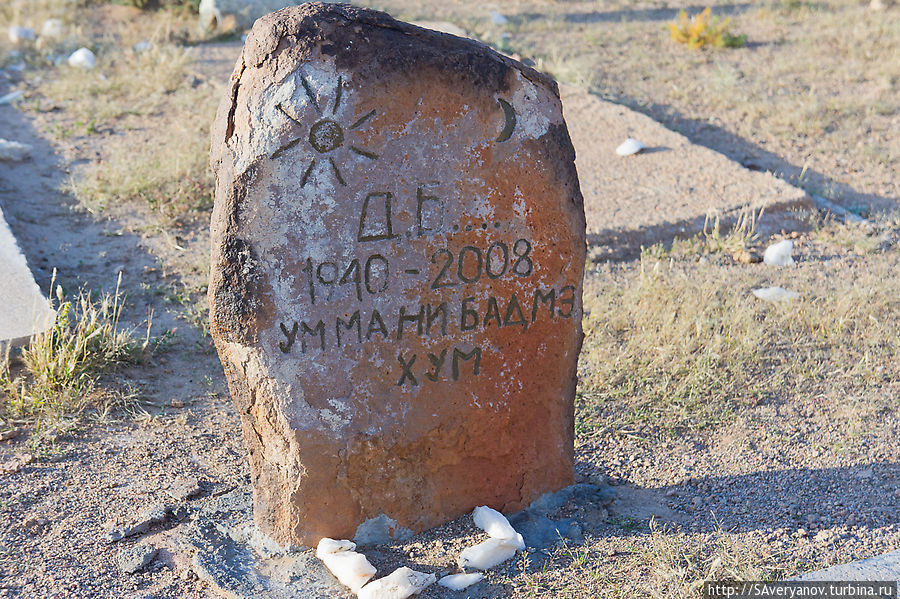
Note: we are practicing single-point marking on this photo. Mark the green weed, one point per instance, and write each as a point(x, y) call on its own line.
point(59, 369)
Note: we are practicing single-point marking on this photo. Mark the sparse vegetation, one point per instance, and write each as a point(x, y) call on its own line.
point(59, 369)
point(163, 159)
point(140, 99)
point(676, 565)
point(704, 30)
point(742, 236)
point(678, 343)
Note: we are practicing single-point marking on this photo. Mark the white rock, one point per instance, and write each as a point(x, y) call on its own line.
point(497, 526)
point(13, 150)
point(458, 582)
point(210, 16)
point(498, 19)
point(20, 34)
point(82, 58)
point(141, 47)
point(487, 554)
point(775, 294)
point(11, 97)
point(52, 28)
point(352, 569)
point(399, 584)
point(779, 254)
point(327, 545)
point(630, 146)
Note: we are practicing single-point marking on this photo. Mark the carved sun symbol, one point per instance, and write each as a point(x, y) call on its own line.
point(326, 135)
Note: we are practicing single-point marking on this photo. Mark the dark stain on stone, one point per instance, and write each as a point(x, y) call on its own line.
point(236, 295)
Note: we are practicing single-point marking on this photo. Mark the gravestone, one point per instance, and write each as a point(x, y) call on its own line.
point(398, 253)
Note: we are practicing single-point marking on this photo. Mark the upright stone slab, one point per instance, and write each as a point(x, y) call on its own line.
point(398, 252)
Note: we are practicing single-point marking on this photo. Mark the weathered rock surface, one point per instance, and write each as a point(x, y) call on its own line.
point(398, 251)
point(135, 559)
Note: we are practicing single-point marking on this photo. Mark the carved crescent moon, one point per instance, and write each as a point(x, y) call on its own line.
point(510, 114)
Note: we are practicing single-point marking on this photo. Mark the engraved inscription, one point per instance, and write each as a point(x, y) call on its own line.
point(375, 218)
point(460, 276)
point(326, 135)
point(432, 321)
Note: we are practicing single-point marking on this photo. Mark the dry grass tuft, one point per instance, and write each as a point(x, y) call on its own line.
point(168, 172)
point(60, 368)
point(125, 82)
point(162, 157)
point(676, 565)
point(677, 343)
point(742, 235)
point(137, 109)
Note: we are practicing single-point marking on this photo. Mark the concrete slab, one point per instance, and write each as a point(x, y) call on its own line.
point(24, 310)
point(884, 567)
point(665, 191)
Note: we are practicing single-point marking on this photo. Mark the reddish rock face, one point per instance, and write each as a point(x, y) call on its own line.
point(398, 252)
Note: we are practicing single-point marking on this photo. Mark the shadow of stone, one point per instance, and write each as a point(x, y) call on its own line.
point(755, 157)
point(655, 150)
point(626, 244)
point(862, 497)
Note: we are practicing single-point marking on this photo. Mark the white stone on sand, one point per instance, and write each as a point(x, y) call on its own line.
point(82, 58)
point(458, 582)
point(502, 545)
point(630, 146)
point(487, 554)
point(13, 151)
point(399, 584)
point(779, 254)
point(352, 569)
point(497, 526)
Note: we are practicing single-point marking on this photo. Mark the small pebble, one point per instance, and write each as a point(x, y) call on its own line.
point(779, 254)
point(20, 34)
point(630, 146)
point(135, 559)
point(743, 256)
point(184, 488)
point(82, 58)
